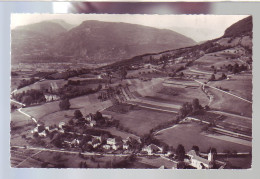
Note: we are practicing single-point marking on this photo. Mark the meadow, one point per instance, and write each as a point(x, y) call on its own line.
point(143, 120)
point(191, 134)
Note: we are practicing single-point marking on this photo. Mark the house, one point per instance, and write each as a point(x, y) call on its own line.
point(75, 142)
point(106, 146)
point(42, 134)
point(95, 142)
point(150, 149)
point(125, 146)
point(61, 124)
point(90, 117)
point(111, 141)
point(92, 123)
point(199, 162)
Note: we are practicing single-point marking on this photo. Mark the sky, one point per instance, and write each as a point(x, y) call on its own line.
point(197, 27)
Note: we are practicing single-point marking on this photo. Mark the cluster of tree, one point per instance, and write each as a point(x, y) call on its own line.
point(109, 93)
point(236, 68)
point(213, 78)
point(32, 96)
point(68, 91)
point(68, 74)
point(211, 47)
point(190, 108)
point(24, 82)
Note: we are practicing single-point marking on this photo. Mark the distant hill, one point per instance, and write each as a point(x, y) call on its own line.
point(109, 41)
point(34, 40)
point(243, 26)
point(46, 28)
point(91, 41)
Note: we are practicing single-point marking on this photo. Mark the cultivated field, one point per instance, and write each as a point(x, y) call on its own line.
point(190, 134)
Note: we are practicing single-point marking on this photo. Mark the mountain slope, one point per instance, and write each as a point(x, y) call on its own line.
point(108, 41)
point(241, 27)
point(233, 47)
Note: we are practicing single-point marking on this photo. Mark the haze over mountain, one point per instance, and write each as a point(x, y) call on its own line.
point(92, 41)
point(46, 28)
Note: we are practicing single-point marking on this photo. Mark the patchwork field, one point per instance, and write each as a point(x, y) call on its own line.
point(190, 134)
point(143, 120)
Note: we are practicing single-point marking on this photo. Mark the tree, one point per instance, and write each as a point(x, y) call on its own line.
point(195, 105)
point(98, 115)
point(64, 104)
point(235, 68)
point(180, 152)
point(123, 73)
point(27, 100)
point(223, 76)
point(78, 114)
point(195, 148)
point(181, 74)
point(212, 78)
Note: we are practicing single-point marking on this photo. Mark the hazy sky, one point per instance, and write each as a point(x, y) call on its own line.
point(197, 27)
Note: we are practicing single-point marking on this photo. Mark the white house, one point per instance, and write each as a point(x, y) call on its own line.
point(111, 141)
point(61, 124)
